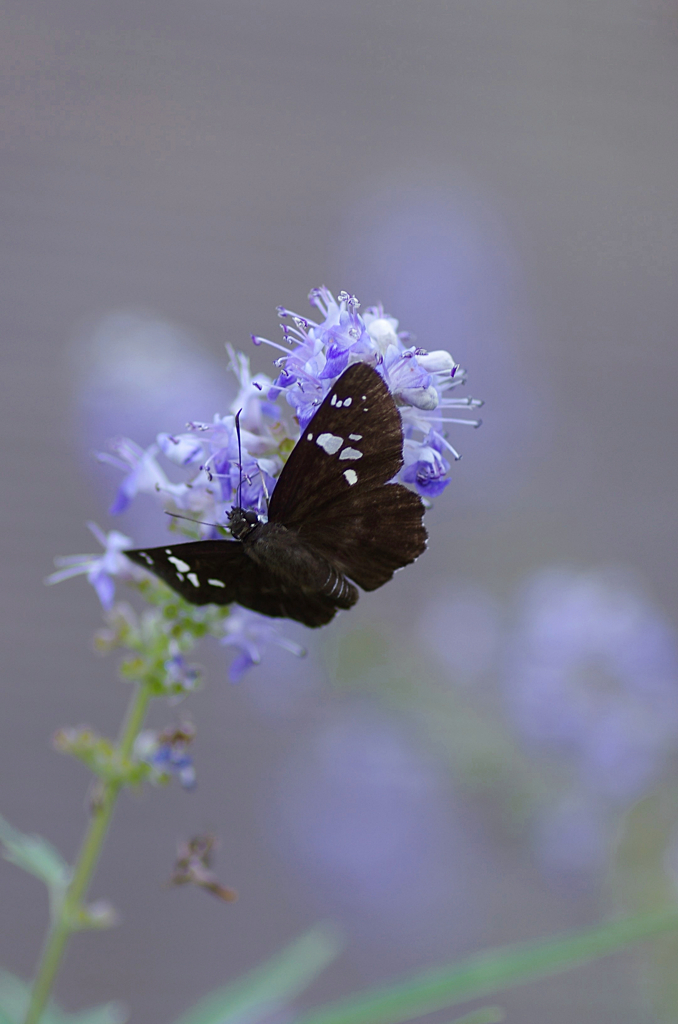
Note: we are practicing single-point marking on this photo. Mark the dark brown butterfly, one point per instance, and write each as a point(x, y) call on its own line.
point(333, 518)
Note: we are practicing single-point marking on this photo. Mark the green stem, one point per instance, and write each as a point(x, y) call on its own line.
point(66, 921)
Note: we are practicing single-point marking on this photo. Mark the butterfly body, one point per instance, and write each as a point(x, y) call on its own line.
point(333, 518)
point(284, 554)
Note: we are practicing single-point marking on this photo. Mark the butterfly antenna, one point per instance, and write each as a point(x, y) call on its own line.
point(175, 515)
point(263, 484)
point(237, 430)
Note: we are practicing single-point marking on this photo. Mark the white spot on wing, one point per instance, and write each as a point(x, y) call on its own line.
point(217, 583)
point(309, 437)
point(355, 437)
point(194, 579)
point(351, 453)
point(330, 443)
point(180, 564)
point(347, 402)
point(333, 400)
point(351, 476)
point(147, 558)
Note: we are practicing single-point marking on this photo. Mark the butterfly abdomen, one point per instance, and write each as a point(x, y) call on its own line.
point(297, 564)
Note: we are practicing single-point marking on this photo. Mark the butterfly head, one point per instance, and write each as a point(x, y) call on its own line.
point(242, 522)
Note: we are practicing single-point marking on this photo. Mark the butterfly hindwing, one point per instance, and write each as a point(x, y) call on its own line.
point(354, 442)
point(371, 534)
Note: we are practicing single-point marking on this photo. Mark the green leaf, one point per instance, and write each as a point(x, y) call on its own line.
point(486, 1015)
point(101, 756)
point(643, 884)
point(271, 985)
point(35, 855)
point(108, 1013)
point(14, 996)
point(490, 971)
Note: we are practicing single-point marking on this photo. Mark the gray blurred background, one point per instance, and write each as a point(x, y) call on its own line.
point(502, 176)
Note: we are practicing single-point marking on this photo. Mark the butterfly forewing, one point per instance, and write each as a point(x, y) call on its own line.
point(341, 505)
point(202, 571)
point(354, 441)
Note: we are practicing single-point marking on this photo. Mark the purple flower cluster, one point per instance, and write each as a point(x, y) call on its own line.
point(314, 355)
point(209, 453)
point(423, 383)
point(101, 570)
point(219, 469)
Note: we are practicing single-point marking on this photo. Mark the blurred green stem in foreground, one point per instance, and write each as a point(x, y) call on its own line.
point(72, 916)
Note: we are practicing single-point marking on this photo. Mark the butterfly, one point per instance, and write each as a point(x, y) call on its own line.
point(333, 519)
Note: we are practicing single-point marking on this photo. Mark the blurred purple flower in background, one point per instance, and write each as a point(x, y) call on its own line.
point(365, 818)
point(585, 681)
point(572, 836)
point(181, 676)
point(167, 754)
point(134, 371)
point(592, 681)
